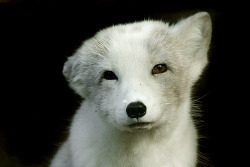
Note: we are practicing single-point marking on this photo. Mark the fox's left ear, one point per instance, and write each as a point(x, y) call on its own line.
point(196, 27)
point(195, 32)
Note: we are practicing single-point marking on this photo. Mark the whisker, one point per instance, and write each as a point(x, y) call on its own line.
point(198, 99)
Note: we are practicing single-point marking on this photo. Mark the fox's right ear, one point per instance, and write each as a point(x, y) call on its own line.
point(72, 71)
point(70, 68)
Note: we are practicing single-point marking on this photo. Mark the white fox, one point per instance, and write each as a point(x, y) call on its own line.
point(136, 81)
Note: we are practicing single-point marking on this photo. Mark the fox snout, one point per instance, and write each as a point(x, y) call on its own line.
point(136, 110)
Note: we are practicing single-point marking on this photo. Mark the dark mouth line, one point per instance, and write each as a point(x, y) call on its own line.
point(139, 124)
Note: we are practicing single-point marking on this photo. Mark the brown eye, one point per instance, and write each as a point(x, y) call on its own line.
point(159, 68)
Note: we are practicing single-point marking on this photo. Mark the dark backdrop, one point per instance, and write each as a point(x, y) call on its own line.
point(36, 37)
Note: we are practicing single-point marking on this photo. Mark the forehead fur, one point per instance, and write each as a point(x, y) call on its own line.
point(132, 36)
point(137, 29)
point(151, 41)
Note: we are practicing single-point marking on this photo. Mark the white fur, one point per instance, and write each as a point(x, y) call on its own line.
point(100, 135)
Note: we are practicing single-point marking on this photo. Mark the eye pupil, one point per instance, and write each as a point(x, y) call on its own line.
point(159, 68)
point(109, 75)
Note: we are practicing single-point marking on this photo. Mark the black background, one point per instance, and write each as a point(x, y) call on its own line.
point(36, 37)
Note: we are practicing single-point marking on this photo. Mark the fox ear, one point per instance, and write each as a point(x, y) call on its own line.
point(195, 33)
point(196, 30)
point(72, 68)
point(72, 72)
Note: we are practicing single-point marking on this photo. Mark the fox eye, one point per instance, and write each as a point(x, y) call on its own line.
point(109, 75)
point(159, 68)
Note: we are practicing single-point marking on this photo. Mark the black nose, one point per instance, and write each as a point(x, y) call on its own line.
point(136, 110)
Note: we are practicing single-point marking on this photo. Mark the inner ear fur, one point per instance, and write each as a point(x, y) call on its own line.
point(195, 33)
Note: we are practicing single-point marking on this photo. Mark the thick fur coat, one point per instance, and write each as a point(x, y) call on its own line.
point(136, 80)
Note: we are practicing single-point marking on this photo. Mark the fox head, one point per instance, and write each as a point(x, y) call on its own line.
point(139, 76)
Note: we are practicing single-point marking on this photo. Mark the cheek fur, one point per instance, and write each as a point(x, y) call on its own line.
point(104, 96)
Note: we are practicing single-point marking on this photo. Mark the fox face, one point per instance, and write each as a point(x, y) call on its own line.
point(139, 76)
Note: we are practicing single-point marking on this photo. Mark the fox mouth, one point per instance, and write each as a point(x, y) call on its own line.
point(141, 125)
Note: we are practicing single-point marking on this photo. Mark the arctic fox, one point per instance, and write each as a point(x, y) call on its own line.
point(136, 81)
